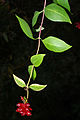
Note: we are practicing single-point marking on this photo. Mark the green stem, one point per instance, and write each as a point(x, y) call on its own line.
point(29, 81)
point(37, 48)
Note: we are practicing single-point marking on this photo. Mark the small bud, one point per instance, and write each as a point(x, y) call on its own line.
point(22, 98)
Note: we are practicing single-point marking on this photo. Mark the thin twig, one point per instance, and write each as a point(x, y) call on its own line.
point(38, 46)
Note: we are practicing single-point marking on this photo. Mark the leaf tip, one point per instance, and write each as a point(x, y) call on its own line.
point(70, 22)
point(45, 85)
point(13, 75)
point(44, 54)
point(70, 46)
point(16, 16)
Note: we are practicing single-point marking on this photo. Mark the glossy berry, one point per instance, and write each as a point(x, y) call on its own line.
point(27, 109)
point(23, 114)
point(19, 104)
point(27, 104)
point(28, 113)
point(30, 108)
point(19, 109)
point(24, 109)
point(23, 105)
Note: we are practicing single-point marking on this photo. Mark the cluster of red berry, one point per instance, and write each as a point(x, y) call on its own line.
point(24, 109)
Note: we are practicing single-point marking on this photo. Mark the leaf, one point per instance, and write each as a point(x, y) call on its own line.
point(56, 13)
point(25, 27)
point(35, 17)
point(63, 3)
point(37, 87)
point(25, 98)
point(55, 1)
point(55, 44)
point(37, 30)
point(36, 60)
point(34, 71)
point(19, 81)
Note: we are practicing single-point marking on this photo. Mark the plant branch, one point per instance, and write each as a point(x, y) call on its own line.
point(38, 46)
point(41, 27)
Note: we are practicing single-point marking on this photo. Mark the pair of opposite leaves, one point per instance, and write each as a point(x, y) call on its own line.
point(36, 61)
point(54, 13)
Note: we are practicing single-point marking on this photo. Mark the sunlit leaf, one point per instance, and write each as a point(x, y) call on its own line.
point(55, 44)
point(55, 1)
point(36, 60)
point(56, 13)
point(25, 27)
point(37, 87)
point(19, 81)
point(63, 3)
point(34, 71)
point(35, 17)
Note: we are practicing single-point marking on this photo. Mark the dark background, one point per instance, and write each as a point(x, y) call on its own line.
point(61, 72)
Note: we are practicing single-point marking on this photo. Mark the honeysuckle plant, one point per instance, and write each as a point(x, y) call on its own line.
point(55, 12)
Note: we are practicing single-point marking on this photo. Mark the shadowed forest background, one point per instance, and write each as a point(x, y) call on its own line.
point(60, 71)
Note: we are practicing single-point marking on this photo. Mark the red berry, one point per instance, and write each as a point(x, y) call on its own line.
point(19, 104)
point(27, 104)
point(23, 114)
point(19, 110)
point(28, 113)
point(22, 105)
point(30, 108)
point(27, 109)
point(24, 108)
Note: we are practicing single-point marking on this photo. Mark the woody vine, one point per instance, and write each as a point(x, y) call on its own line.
point(55, 12)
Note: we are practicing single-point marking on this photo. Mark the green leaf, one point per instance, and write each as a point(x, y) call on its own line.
point(25, 27)
point(36, 60)
point(55, 44)
point(37, 30)
point(34, 71)
point(55, 1)
point(56, 13)
point(37, 87)
point(19, 81)
point(63, 3)
point(25, 98)
point(35, 17)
